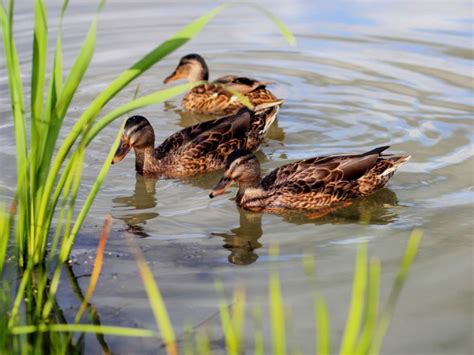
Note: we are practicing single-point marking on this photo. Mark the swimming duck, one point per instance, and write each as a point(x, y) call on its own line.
point(307, 185)
point(212, 98)
point(197, 149)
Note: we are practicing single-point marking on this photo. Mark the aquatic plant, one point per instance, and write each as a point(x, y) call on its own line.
point(365, 327)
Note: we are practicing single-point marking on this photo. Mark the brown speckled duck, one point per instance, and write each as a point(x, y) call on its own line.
point(197, 149)
point(212, 98)
point(312, 184)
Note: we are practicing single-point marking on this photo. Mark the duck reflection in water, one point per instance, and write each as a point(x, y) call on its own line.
point(143, 198)
point(244, 240)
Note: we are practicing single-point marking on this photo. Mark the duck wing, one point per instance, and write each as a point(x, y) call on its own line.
point(179, 139)
point(220, 139)
point(242, 84)
point(314, 174)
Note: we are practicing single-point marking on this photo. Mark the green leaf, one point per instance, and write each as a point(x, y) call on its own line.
point(259, 344)
point(85, 328)
point(77, 71)
point(371, 308)
point(277, 311)
point(323, 335)
point(382, 326)
point(231, 338)
point(354, 318)
point(157, 304)
point(154, 98)
point(279, 23)
point(40, 50)
point(15, 84)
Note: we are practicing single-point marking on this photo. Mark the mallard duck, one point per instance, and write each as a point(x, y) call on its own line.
point(307, 185)
point(197, 149)
point(213, 98)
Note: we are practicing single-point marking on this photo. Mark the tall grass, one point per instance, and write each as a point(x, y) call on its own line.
point(365, 327)
point(49, 171)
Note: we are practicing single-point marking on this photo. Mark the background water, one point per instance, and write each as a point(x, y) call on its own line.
point(363, 74)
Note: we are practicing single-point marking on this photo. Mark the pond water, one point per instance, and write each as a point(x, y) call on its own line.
point(363, 74)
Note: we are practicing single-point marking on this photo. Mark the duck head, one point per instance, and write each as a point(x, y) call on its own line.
point(137, 134)
point(243, 168)
point(191, 67)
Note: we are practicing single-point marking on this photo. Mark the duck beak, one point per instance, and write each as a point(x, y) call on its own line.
point(122, 151)
point(174, 76)
point(221, 186)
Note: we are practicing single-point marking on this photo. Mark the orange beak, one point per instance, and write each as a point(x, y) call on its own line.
point(221, 186)
point(174, 76)
point(122, 151)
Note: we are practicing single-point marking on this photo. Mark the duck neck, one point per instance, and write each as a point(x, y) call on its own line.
point(247, 186)
point(146, 163)
point(199, 72)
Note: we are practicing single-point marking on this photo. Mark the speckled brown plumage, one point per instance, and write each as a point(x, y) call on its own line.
point(311, 184)
point(197, 149)
point(213, 97)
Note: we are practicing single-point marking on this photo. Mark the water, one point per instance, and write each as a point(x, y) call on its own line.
point(363, 74)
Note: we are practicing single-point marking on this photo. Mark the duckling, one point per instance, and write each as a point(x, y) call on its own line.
point(213, 98)
point(197, 149)
point(313, 184)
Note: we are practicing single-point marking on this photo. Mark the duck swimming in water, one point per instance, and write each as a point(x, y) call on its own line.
point(197, 149)
point(312, 184)
point(213, 98)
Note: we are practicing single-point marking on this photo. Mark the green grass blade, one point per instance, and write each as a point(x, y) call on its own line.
point(321, 313)
point(259, 345)
point(15, 84)
point(38, 77)
point(85, 328)
point(68, 237)
point(277, 311)
point(53, 125)
point(96, 269)
point(354, 318)
point(243, 99)
point(67, 92)
point(188, 348)
point(203, 346)
point(279, 23)
point(156, 97)
point(323, 334)
point(157, 304)
point(19, 296)
point(371, 307)
point(90, 198)
point(382, 326)
point(226, 321)
point(66, 180)
point(4, 238)
point(38, 72)
point(238, 314)
point(77, 71)
point(23, 241)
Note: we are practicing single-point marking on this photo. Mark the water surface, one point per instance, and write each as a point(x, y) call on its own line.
point(363, 74)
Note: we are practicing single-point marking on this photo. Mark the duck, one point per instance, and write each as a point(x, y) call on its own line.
point(317, 184)
point(197, 149)
point(212, 97)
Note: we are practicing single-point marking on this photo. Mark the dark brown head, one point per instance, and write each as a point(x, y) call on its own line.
point(137, 134)
point(243, 168)
point(191, 67)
